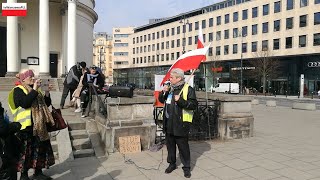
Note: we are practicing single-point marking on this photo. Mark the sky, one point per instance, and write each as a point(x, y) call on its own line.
point(125, 13)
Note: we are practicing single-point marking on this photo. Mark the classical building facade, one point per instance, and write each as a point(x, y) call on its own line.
point(102, 54)
point(236, 29)
point(53, 36)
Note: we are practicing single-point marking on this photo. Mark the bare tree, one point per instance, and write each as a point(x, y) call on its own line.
point(265, 66)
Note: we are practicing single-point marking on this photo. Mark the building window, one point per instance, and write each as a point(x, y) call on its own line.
point(226, 49)
point(245, 14)
point(210, 51)
point(277, 6)
point(226, 34)
point(290, 4)
point(167, 45)
point(162, 33)
point(303, 3)
point(288, 42)
point(254, 46)
point(276, 44)
point(289, 23)
point(265, 27)
point(218, 36)
point(218, 20)
point(316, 39)
point(172, 43)
point(265, 45)
point(254, 29)
point(244, 31)
point(210, 37)
point(210, 22)
point(218, 51)
point(303, 21)
point(190, 27)
point(178, 30)
point(254, 12)
point(196, 25)
point(276, 25)
point(172, 56)
point(235, 32)
point(317, 18)
point(302, 41)
point(226, 18)
point(203, 24)
point(244, 47)
point(190, 41)
point(265, 9)
point(235, 16)
point(235, 48)
point(172, 31)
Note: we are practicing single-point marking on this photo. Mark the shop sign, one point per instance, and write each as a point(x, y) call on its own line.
point(243, 68)
point(313, 64)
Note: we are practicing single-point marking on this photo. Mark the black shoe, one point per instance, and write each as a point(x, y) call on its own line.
point(24, 177)
point(187, 173)
point(171, 168)
point(41, 176)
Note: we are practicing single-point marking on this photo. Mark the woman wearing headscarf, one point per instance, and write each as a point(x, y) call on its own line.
point(29, 107)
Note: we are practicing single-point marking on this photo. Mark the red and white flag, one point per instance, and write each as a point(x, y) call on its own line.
point(14, 9)
point(188, 61)
point(200, 43)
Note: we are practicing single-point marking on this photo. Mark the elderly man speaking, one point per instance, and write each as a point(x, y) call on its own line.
point(180, 101)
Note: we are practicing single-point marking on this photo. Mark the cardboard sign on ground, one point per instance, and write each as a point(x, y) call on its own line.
point(129, 144)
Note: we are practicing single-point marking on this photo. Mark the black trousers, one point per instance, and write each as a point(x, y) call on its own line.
point(65, 93)
point(184, 150)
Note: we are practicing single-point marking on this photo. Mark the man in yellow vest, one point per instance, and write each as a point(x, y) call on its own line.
point(180, 101)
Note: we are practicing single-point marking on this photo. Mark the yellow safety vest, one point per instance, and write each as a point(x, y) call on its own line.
point(21, 115)
point(187, 115)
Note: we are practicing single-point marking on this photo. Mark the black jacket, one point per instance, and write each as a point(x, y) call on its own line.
point(73, 77)
point(174, 124)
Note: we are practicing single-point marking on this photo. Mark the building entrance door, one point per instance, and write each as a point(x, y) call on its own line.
point(3, 51)
point(54, 65)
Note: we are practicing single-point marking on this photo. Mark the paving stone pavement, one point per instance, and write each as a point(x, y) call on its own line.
point(285, 146)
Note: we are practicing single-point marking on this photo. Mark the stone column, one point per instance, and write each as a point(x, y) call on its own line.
point(44, 53)
point(13, 63)
point(72, 33)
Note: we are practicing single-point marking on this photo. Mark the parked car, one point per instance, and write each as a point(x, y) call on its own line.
point(232, 88)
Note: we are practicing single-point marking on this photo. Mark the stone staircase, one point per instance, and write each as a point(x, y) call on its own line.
point(81, 144)
point(7, 83)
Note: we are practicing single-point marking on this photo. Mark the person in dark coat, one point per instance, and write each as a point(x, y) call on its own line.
point(71, 81)
point(96, 79)
point(8, 147)
point(177, 117)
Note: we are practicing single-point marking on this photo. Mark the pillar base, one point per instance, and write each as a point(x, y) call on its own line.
point(44, 75)
point(11, 74)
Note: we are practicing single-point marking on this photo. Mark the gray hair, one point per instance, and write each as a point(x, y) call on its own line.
point(178, 73)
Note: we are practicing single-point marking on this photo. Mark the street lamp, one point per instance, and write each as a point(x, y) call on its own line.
point(184, 21)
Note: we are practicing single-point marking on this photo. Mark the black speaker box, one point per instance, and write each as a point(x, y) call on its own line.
point(120, 91)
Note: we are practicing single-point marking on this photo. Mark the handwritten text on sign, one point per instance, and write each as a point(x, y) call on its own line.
point(129, 144)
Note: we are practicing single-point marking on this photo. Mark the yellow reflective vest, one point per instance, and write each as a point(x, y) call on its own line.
point(187, 115)
point(21, 115)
